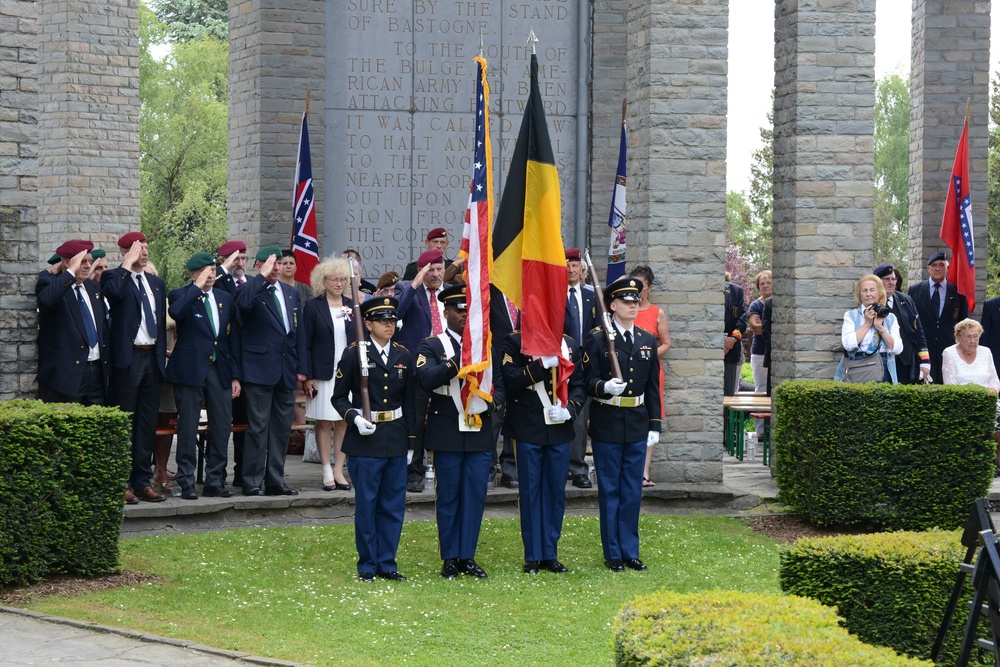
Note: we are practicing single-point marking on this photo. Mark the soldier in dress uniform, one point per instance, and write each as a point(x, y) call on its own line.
point(463, 453)
point(376, 449)
point(624, 419)
point(542, 431)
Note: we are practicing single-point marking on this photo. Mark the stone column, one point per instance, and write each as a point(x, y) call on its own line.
point(676, 88)
point(276, 53)
point(950, 66)
point(823, 177)
point(88, 121)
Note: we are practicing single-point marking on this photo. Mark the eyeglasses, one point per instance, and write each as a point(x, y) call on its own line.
point(333, 279)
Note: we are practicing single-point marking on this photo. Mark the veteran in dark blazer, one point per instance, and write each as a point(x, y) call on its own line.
point(138, 301)
point(273, 361)
point(376, 449)
point(73, 351)
point(940, 308)
point(624, 421)
point(914, 361)
point(734, 328)
point(541, 431)
point(232, 261)
point(581, 317)
point(463, 451)
point(204, 366)
point(991, 328)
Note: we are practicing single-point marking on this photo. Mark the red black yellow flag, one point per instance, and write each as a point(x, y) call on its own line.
point(529, 263)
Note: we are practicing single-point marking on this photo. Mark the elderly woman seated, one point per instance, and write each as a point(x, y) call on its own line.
point(870, 329)
point(966, 362)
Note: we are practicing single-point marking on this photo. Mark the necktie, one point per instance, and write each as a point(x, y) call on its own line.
point(240, 281)
point(575, 323)
point(628, 339)
point(936, 300)
point(436, 327)
point(211, 315)
point(512, 311)
point(88, 319)
point(277, 304)
point(147, 310)
point(385, 357)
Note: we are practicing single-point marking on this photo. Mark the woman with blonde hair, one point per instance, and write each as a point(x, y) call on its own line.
point(329, 328)
point(871, 328)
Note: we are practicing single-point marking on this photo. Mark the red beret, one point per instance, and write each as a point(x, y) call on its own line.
point(573, 255)
point(229, 247)
point(429, 257)
point(126, 241)
point(72, 248)
point(437, 233)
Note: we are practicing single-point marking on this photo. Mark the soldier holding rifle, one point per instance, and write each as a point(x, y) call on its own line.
point(377, 436)
point(622, 372)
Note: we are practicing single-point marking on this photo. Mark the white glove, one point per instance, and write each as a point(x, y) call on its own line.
point(652, 438)
point(558, 413)
point(615, 387)
point(477, 406)
point(550, 362)
point(365, 427)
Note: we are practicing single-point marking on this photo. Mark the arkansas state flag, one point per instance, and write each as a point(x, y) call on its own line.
point(956, 225)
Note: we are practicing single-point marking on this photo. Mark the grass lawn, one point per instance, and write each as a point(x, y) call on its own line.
point(292, 593)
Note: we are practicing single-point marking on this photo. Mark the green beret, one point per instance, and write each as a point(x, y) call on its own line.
point(97, 253)
point(200, 260)
point(55, 259)
point(267, 251)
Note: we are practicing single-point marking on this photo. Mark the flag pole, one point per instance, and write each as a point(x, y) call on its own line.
point(968, 109)
point(532, 39)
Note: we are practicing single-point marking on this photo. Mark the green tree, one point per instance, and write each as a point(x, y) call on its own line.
point(749, 213)
point(890, 233)
point(194, 19)
point(183, 146)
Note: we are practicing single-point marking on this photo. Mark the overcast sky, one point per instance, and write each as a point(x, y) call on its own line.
point(751, 70)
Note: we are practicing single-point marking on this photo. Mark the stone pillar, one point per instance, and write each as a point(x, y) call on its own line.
point(950, 66)
point(88, 121)
point(276, 53)
point(18, 196)
point(823, 177)
point(676, 88)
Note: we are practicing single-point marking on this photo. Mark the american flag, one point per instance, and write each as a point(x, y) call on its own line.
point(304, 244)
point(956, 225)
point(477, 249)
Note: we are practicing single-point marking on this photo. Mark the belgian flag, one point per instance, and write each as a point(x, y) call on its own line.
point(529, 264)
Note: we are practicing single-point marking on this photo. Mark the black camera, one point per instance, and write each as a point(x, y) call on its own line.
point(880, 310)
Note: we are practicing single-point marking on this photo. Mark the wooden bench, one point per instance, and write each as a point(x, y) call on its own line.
point(734, 408)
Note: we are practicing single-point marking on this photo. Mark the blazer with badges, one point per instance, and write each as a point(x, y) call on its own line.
point(225, 281)
point(197, 342)
point(736, 318)
point(122, 293)
point(435, 369)
point(914, 342)
point(640, 372)
point(525, 417)
point(319, 336)
point(390, 387)
point(268, 353)
point(62, 337)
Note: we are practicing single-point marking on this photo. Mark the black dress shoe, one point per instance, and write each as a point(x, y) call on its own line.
point(450, 568)
point(582, 482)
point(366, 576)
point(188, 493)
point(415, 487)
point(217, 491)
point(392, 576)
point(252, 491)
point(471, 568)
point(510, 483)
point(342, 487)
point(280, 491)
point(552, 566)
point(615, 565)
point(530, 567)
point(635, 564)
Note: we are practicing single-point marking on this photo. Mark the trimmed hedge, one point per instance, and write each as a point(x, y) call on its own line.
point(734, 629)
point(891, 588)
point(904, 457)
point(63, 471)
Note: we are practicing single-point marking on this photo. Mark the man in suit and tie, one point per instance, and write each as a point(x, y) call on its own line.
point(203, 366)
point(274, 362)
point(138, 302)
point(581, 317)
point(940, 307)
point(422, 315)
point(230, 272)
point(914, 362)
point(73, 357)
point(734, 328)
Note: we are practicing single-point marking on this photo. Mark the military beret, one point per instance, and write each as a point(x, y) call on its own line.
point(229, 247)
point(199, 260)
point(55, 259)
point(267, 251)
point(97, 253)
point(126, 241)
point(73, 247)
point(437, 233)
point(429, 257)
point(935, 257)
point(882, 270)
point(573, 255)
point(387, 279)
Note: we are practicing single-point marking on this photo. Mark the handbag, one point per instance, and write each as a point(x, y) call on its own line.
point(867, 368)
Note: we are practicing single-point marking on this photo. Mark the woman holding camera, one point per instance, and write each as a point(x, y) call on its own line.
point(871, 328)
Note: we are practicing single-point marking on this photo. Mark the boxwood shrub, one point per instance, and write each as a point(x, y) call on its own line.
point(891, 588)
point(734, 629)
point(901, 457)
point(63, 471)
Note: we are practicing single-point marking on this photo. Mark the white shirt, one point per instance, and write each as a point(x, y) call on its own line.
point(981, 371)
point(382, 352)
point(210, 297)
point(142, 337)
